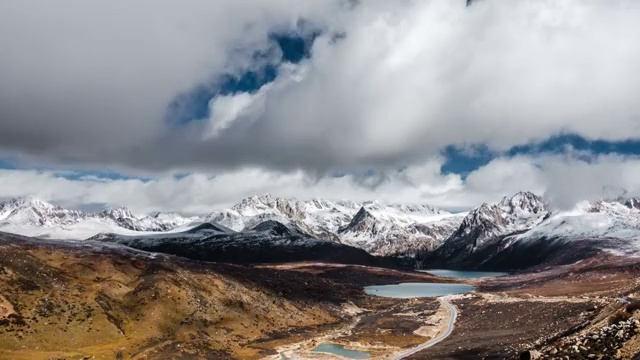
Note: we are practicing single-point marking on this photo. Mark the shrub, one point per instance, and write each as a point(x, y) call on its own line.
point(619, 316)
point(632, 306)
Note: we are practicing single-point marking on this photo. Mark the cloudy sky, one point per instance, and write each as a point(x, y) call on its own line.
point(193, 104)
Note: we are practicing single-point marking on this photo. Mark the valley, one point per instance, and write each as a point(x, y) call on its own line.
point(320, 180)
point(259, 288)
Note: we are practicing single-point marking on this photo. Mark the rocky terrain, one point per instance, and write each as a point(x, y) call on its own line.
point(268, 242)
point(33, 217)
point(604, 343)
point(73, 301)
point(381, 229)
point(80, 299)
point(522, 232)
point(517, 232)
point(387, 229)
point(548, 313)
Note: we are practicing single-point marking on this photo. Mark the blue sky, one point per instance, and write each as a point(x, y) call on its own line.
point(463, 161)
point(193, 105)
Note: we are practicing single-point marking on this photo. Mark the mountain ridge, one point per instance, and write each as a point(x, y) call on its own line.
point(401, 230)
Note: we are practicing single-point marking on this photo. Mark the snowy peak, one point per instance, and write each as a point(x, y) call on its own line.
point(117, 213)
point(525, 202)
point(34, 217)
point(484, 214)
point(27, 202)
point(363, 221)
point(255, 204)
point(519, 212)
point(35, 212)
point(616, 208)
point(482, 222)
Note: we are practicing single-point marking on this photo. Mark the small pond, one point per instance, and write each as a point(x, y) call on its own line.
point(411, 290)
point(341, 351)
point(463, 274)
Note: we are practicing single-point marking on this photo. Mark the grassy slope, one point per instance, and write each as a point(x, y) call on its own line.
point(69, 302)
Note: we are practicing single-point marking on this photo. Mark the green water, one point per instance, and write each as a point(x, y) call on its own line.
point(411, 290)
point(463, 274)
point(341, 351)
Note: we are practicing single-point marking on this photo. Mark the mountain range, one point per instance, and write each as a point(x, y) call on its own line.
point(519, 231)
point(381, 229)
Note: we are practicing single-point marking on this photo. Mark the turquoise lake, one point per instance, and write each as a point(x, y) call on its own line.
point(341, 351)
point(410, 290)
point(463, 274)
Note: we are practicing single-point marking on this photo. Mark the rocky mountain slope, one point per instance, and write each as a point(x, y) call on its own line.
point(268, 242)
point(387, 229)
point(391, 229)
point(33, 217)
point(81, 300)
point(522, 231)
point(519, 231)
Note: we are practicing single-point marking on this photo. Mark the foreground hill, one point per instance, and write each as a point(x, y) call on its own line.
point(81, 300)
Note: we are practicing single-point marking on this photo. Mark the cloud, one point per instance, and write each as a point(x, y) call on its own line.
point(91, 83)
point(201, 193)
point(89, 86)
point(88, 83)
point(563, 179)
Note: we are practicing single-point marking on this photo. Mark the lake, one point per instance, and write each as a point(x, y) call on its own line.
point(341, 351)
point(463, 274)
point(411, 290)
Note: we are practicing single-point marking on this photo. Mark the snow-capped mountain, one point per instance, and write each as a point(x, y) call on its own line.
point(267, 242)
point(514, 214)
point(521, 231)
point(394, 232)
point(319, 218)
point(485, 236)
point(393, 229)
point(34, 212)
point(34, 217)
point(618, 219)
point(520, 212)
point(381, 229)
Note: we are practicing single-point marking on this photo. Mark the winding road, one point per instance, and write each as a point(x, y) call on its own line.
point(452, 320)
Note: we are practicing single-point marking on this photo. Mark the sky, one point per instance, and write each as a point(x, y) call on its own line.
point(187, 106)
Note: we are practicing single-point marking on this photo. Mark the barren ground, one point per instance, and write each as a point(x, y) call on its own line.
point(62, 301)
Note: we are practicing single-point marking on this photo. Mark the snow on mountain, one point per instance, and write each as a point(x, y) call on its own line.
point(482, 225)
point(394, 229)
point(320, 218)
point(604, 220)
point(521, 231)
point(513, 214)
point(389, 229)
point(267, 242)
point(34, 212)
point(378, 228)
point(174, 220)
point(397, 230)
point(34, 217)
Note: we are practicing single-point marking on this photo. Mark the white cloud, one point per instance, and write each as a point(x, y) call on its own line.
point(562, 179)
point(85, 81)
point(89, 84)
